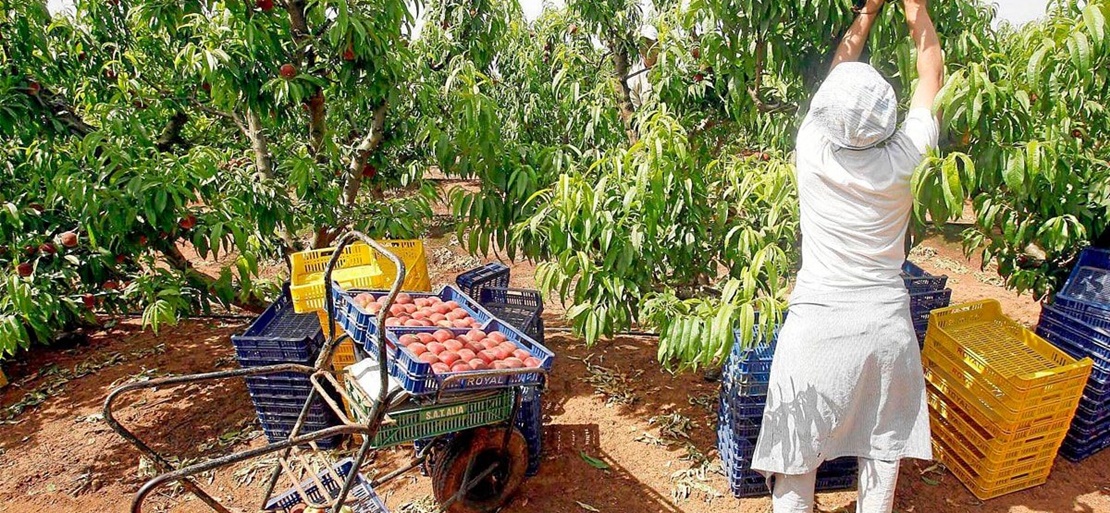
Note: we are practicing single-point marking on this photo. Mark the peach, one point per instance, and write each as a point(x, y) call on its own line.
point(461, 367)
point(514, 363)
point(478, 364)
point(417, 348)
point(440, 368)
point(429, 357)
point(466, 354)
point(443, 335)
point(450, 357)
point(487, 356)
point(453, 345)
point(532, 362)
point(436, 348)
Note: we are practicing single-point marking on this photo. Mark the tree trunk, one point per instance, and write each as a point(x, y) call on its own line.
point(200, 280)
point(628, 112)
point(353, 181)
point(362, 152)
point(263, 165)
point(264, 169)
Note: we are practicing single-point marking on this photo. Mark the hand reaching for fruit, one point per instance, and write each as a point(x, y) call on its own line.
point(475, 350)
point(424, 311)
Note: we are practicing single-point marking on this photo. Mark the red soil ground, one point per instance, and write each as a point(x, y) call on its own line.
point(611, 402)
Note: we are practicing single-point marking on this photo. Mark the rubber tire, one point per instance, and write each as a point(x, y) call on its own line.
point(496, 490)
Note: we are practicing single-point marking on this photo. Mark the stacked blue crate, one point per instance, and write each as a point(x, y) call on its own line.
point(493, 274)
point(530, 422)
point(1078, 322)
point(740, 414)
point(927, 293)
point(280, 335)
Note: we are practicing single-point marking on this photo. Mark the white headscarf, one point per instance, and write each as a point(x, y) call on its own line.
point(856, 107)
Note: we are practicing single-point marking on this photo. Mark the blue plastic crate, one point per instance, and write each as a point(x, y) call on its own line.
point(1094, 408)
point(317, 412)
point(1083, 428)
point(753, 360)
point(746, 483)
point(1086, 294)
point(1081, 333)
point(280, 432)
point(530, 422)
point(1076, 454)
point(755, 387)
point(417, 377)
point(279, 335)
point(747, 409)
point(362, 326)
point(917, 280)
point(740, 427)
point(828, 484)
point(280, 396)
point(364, 497)
point(922, 304)
point(492, 274)
point(522, 308)
point(1080, 340)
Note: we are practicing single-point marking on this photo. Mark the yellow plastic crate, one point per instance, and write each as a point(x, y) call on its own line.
point(992, 486)
point(1008, 405)
point(344, 356)
point(986, 413)
point(411, 252)
point(984, 478)
point(356, 268)
point(322, 314)
point(1006, 354)
point(996, 449)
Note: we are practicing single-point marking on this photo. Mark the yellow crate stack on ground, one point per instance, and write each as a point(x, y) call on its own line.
point(411, 252)
point(1000, 398)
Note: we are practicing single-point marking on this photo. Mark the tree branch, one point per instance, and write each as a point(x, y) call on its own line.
point(369, 143)
point(59, 108)
point(753, 90)
point(171, 135)
point(317, 109)
point(627, 111)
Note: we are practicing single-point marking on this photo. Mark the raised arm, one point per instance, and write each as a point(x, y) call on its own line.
point(852, 45)
point(930, 60)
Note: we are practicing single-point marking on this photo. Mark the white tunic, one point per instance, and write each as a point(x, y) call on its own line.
point(847, 379)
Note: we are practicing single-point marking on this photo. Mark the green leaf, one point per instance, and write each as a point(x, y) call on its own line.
point(1095, 22)
point(594, 462)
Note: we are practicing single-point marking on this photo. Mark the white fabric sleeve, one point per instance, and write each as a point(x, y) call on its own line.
point(921, 129)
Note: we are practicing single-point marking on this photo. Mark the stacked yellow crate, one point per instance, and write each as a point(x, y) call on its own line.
point(1000, 398)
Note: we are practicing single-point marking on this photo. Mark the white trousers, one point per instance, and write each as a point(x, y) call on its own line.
point(877, 480)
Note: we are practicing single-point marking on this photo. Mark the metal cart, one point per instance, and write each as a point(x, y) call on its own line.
point(474, 469)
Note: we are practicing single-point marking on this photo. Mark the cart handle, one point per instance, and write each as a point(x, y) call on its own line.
point(377, 409)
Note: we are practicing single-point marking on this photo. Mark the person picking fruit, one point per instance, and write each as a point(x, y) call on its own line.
point(847, 380)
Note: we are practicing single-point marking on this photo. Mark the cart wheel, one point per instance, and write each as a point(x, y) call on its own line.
point(483, 446)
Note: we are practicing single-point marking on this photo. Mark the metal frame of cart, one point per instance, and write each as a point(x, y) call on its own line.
point(323, 384)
